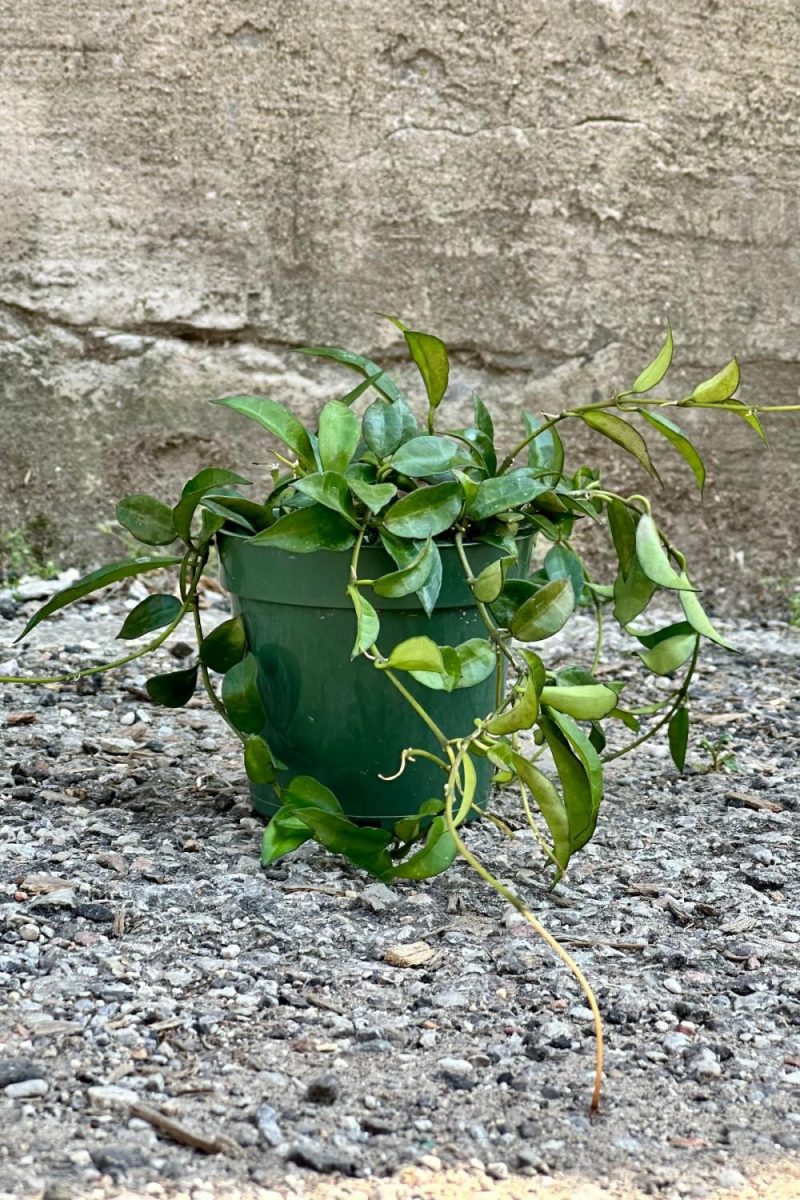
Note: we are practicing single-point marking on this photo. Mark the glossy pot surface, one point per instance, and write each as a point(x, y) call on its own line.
point(342, 721)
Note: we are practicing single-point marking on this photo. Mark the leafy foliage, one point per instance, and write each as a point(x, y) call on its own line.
point(378, 479)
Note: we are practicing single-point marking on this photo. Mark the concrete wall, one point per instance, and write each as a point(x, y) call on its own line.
point(191, 188)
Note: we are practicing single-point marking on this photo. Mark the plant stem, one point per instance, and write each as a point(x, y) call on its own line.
point(543, 933)
point(512, 454)
point(482, 609)
point(73, 676)
point(441, 738)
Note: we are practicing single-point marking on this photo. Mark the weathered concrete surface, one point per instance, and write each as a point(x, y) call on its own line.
point(191, 189)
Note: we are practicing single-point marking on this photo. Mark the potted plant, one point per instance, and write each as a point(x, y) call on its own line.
point(381, 667)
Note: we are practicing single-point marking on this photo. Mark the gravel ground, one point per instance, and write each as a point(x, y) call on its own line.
point(156, 984)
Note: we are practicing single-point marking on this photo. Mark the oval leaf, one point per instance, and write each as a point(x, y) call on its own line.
point(719, 387)
point(368, 625)
point(224, 646)
point(545, 452)
point(93, 582)
point(374, 495)
point(174, 689)
point(675, 435)
point(586, 702)
point(670, 654)
point(415, 654)
point(425, 512)
point(242, 698)
point(277, 419)
point(545, 613)
point(427, 455)
point(655, 371)
point(208, 480)
point(339, 434)
point(504, 492)
point(653, 557)
point(435, 856)
point(154, 612)
point(563, 563)
point(330, 489)
point(408, 579)
point(430, 355)
point(308, 529)
point(258, 761)
point(622, 433)
point(678, 733)
point(148, 519)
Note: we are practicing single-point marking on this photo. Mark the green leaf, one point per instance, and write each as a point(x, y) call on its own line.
point(545, 613)
point(483, 418)
point(425, 512)
point(464, 666)
point(368, 625)
point(374, 495)
point(670, 654)
point(233, 507)
point(653, 557)
point(339, 435)
point(503, 492)
point(277, 419)
point(622, 433)
point(522, 714)
point(678, 735)
point(632, 594)
point(430, 355)
point(577, 795)
point(360, 388)
point(550, 805)
point(330, 489)
point(585, 752)
point(225, 515)
point(306, 792)
point(719, 387)
point(284, 834)
point(545, 452)
point(514, 594)
point(242, 698)
point(415, 654)
point(174, 689)
point(207, 480)
point(748, 416)
point(93, 582)
point(655, 371)
point(365, 848)
point(308, 529)
point(258, 762)
point(365, 366)
point(674, 434)
point(435, 856)
point(383, 428)
point(409, 578)
point(224, 646)
point(536, 669)
point(697, 617)
point(154, 612)
point(586, 702)
point(489, 584)
point(404, 552)
point(563, 563)
point(148, 519)
point(428, 455)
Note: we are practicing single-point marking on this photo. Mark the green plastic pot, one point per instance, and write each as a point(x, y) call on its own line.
point(342, 721)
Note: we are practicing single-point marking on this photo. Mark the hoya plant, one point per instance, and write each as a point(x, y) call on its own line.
point(379, 479)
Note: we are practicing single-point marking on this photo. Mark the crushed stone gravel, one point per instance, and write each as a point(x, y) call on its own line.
point(156, 982)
